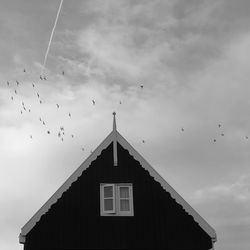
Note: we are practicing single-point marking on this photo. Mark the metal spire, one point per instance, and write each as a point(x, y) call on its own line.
point(115, 141)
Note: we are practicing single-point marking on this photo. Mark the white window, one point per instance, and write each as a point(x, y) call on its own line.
point(116, 199)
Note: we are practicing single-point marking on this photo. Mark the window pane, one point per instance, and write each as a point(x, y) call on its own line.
point(108, 191)
point(124, 205)
point(108, 204)
point(124, 192)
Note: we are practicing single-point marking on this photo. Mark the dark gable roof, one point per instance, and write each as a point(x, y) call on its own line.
point(115, 136)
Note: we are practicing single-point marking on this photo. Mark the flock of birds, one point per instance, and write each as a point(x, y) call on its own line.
point(24, 108)
point(61, 132)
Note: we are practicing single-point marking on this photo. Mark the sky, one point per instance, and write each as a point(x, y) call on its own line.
point(192, 59)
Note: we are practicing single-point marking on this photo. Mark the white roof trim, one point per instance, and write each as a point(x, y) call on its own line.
point(116, 136)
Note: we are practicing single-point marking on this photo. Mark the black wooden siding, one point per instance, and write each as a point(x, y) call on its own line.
point(74, 221)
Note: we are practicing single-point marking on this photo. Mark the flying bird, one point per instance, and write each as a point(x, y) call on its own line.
point(21, 112)
point(40, 101)
point(44, 78)
point(214, 140)
point(29, 110)
point(69, 115)
point(246, 137)
point(37, 95)
point(15, 92)
point(62, 128)
point(72, 136)
point(222, 134)
point(120, 102)
point(62, 72)
point(93, 101)
point(24, 70)
point(8, 83)
point(82, 149)
point(48, 132)
point(40, 119)
point(57, 106)
point(30, 136)
point(17, 83)
point(43, 123)
point(182, 129)
point(12, 98)
point(143, 141)
point(33, 85)
point(219, 125)
point(59, 134)
point(41, 77)
point(141, 86)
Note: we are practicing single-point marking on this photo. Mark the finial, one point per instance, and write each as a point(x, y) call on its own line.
point(114, 121)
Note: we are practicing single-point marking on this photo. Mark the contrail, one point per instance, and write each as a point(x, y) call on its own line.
point(51, 36)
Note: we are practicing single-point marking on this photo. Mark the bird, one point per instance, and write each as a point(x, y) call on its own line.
point(30, 136)
point(59, 134)
point(62, 128)
point(33, 85)
point(69, 115)
point(41, 77)
point(63, 72)
point(40, 119)
point(23, 103)
point(72, 136)
point(44, 78)
point(29, 110)
point(15, 92)
point(82, 149)
point(141, 86)
point(57, 106)
point(246, 137)
point(8, 83)
point(62, 139)
point(93, 101)
point(43, 123)
point(24, 70)
point(214, 140)
point(24, 108)
point(182, 129)
point(21, 112)
point(222, 134)
point(12, 98)
point(63, 133)
point(17, 83)
point(219, 125)
point(37, 95)
point(143, 141)
point(40, 101)
point(48, 132)
point(120, 102)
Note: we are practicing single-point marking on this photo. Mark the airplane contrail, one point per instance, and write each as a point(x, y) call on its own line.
point(51, 36)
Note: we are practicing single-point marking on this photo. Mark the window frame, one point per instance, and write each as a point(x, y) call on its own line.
point(116, 205)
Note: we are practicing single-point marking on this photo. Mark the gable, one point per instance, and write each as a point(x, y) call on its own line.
point(114, 135)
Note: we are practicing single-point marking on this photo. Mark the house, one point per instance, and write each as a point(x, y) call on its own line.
point(116, 200)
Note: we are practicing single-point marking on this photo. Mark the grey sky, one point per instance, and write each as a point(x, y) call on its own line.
point(192, 58)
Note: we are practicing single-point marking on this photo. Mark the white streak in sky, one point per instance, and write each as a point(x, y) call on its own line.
point(51, 36)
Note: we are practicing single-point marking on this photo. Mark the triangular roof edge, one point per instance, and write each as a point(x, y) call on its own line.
point(73, 177)
point(203, 224)
point(115, 135)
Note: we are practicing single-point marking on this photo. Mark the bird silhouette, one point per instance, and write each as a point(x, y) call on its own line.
point(41, 77)
point(69, 115)
point(62, 72)
point(141, 86)
point(62, 139)
point(21, 112)
point(48, 132)
point(43, 123)
point(82, 149)
point(23, 103)
point(44, 78)
point(40, 119)
point(40, 101)
point(182, 129)
point(93, 101)
point(62, 128)
point(15, 92)
point(72, 136)
point(17, 83)
point(8, 83)
point(33, 85)
point(219, 125)
point(214, 140)
point(143, 141)
point(222, 134)
point(57, 106)
point(12, 98)
point(59, 134)
point(37, 95)
point(246, 137)
point(120, 102)
point(30, 136)
point(29, 110)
